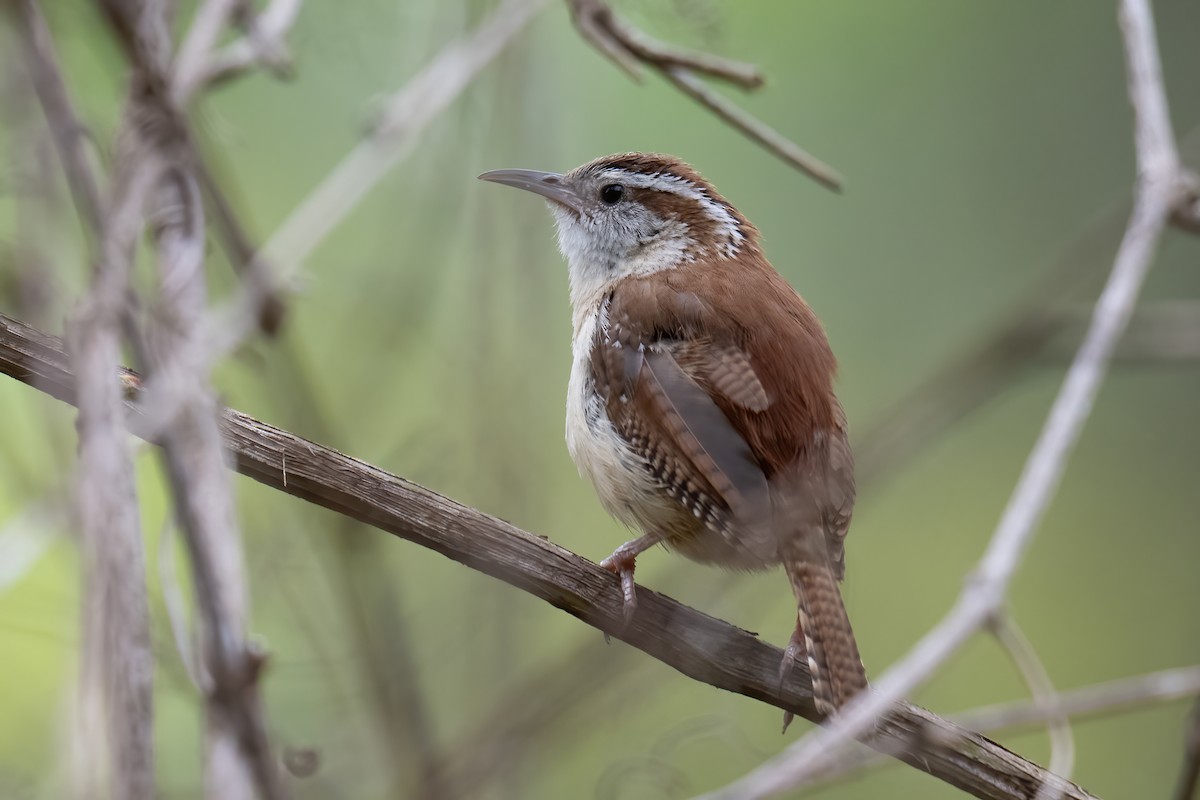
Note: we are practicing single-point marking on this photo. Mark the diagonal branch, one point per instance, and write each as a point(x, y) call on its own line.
point(630, 48)
point(706, 649)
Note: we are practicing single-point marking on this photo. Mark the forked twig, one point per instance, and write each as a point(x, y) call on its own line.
point(630, 49)
point(263, 44)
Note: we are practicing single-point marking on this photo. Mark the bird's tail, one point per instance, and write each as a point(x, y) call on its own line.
point(824, 627)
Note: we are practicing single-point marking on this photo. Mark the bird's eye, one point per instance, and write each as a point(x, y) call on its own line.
point(612, 193)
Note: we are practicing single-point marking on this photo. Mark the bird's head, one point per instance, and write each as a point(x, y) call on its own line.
point(634, 214)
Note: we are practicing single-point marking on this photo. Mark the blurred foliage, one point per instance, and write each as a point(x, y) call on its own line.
point(431, 338)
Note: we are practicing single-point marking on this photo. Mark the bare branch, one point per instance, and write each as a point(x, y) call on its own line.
point(1088, 701)
point(628, 48)
point(191, 62)
point(1157, 193)
point(699, 646)
point(116, 652)
point(239, 755)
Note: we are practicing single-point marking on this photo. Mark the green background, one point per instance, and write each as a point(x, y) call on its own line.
point(981, 142)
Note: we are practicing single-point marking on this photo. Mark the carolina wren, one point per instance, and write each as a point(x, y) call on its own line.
point(701, 401)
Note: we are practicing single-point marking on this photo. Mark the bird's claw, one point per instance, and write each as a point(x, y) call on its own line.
point(623, 564)
point(794, 649)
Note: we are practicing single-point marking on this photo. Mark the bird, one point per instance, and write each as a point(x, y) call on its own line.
point(700, 403)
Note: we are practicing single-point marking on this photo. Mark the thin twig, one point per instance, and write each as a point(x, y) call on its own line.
point(628, 47)
point(263, 294)
point(1110, 697)
point(701, 647)
point(263, 44)
point(1101, 699)
point(239, 754)
point(1062, 740)
point(192, 61)
point(775, 142)
point(190, 73)
point(116, 630)
point(66, 130)
point(1158, 190)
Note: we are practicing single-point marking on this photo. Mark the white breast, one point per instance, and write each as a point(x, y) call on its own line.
point(623, 483)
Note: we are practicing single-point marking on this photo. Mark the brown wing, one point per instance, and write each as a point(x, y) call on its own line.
point(670, 419)
point(725, 397)
point(726, 369)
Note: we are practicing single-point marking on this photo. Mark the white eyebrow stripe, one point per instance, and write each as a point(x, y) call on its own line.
point(728, 230)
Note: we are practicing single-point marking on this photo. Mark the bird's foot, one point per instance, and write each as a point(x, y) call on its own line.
point(793, 651)
point(622, 562)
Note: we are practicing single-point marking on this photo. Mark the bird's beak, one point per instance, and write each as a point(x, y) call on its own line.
point(549, 185)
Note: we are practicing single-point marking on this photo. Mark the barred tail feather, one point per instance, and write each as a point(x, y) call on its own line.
point(832, 652)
